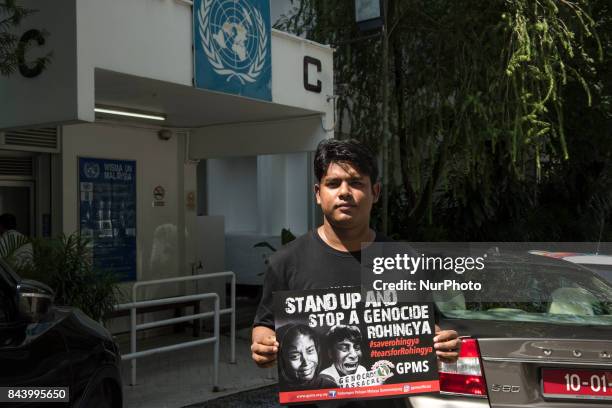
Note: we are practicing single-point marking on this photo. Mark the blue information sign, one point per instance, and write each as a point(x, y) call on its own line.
point(232, 47)
point(107, 213)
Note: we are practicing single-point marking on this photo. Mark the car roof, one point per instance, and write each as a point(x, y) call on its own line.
point(588, 259)
point(556, 265)
point(577, 257)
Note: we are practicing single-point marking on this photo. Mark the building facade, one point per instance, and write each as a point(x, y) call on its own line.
point(213, 167)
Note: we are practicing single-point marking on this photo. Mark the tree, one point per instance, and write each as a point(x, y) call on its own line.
point(488, 97)
point(12, 51)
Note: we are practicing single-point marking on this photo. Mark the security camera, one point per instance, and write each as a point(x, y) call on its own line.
point(164, 134)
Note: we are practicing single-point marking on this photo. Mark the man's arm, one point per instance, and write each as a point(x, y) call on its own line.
point(264, 346)
point(447, 344)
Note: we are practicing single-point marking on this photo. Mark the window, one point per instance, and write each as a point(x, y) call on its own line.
point(548, 294)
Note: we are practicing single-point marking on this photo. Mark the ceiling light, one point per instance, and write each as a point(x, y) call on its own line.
point(131, 113)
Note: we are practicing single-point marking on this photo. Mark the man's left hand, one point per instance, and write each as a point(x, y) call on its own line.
point(447, 344)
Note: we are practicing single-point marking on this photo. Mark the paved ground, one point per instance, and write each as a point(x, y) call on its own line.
point(265, 397)
point(184, 377)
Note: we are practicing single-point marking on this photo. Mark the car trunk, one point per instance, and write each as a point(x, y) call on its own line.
point(513, 366)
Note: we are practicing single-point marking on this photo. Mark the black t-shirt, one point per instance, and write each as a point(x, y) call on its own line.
point(309, 263)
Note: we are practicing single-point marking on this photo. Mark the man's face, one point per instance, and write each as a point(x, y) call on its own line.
point(346, 196)
point(302, 358)
point(346, 356)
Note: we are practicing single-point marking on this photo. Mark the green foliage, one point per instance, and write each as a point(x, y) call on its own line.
point(10, 247)
point(11, 51)
point(64, 263)
point(286, 236)
point(493, 105)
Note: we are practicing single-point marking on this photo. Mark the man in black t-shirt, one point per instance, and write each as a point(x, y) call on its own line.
point(330, 256)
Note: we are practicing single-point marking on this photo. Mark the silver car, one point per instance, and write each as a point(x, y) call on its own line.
point(553, 350)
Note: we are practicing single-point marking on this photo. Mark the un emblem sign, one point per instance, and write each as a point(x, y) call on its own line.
point(232, 47)
point(91, 170)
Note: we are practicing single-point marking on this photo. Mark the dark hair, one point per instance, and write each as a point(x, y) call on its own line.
point(350, 151)
point(342, 332)
point(8, 221)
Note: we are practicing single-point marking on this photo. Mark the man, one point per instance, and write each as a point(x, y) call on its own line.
point(13, 243)
point(344, 348)
point(330, 256)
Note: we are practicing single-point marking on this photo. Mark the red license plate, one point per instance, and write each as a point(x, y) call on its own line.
point(570, 383)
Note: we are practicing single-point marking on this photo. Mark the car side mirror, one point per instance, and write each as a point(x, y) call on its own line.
point(35, 300)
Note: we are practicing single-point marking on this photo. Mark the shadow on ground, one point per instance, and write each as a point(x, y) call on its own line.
point(259, 398)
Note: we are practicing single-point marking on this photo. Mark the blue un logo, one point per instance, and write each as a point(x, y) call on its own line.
point(234, 37)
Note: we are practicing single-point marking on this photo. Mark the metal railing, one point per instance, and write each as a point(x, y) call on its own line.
point(134, 354)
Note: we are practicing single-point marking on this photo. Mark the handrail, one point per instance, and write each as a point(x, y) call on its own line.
point(231, 309)
point(133, 355)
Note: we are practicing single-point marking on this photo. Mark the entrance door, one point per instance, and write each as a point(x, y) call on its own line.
point(17, 198)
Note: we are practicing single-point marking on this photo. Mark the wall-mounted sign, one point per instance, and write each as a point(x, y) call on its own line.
point(190, 203)
point(310, 85)
point(232, 47)
point(107, 213)
point(30, 70)
point(159, 193)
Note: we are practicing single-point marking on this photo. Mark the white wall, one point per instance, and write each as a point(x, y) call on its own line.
point(256, 196)
point(232, 192)
point(50, 97)
point(153, 39)
point(298, 192)
point(259, 194)
point(288, 53)
point(164, 243)
point(271, 198)
point(282, 193)
point(150, 39)
point(252, 139)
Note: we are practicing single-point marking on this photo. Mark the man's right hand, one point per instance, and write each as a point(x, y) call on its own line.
point(265, 347)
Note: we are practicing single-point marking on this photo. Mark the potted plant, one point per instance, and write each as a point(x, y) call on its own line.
point(65, 264)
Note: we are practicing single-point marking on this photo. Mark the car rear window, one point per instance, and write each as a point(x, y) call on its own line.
point(548, 293)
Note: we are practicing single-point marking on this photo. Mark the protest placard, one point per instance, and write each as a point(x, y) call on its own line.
point(339, 344)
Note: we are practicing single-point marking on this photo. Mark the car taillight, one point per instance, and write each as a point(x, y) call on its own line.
point(465, 375)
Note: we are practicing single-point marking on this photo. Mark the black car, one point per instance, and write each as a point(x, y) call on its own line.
point(43, 345)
